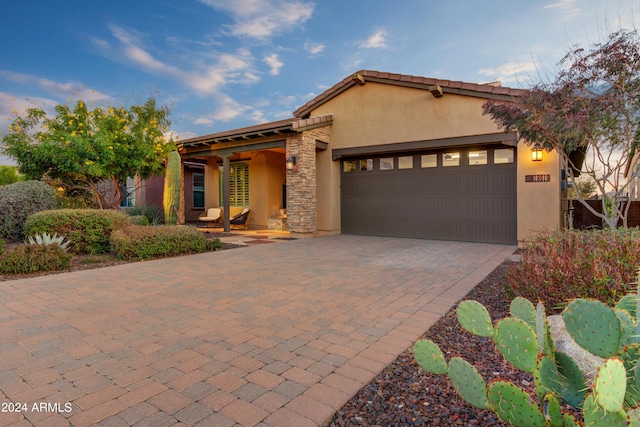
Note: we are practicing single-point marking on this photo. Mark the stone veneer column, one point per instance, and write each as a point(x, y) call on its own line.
point(301, 183)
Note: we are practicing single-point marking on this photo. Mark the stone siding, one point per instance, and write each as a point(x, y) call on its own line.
point(301, 183)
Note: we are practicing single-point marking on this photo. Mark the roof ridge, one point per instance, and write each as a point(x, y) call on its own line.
point(360, 77)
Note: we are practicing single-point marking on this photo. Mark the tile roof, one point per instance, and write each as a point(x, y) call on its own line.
point(484, 90)
point(264, 129)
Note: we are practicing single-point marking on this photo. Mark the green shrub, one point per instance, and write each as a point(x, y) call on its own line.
point(135, 243)
point(88, 230)
point(562, 265)
point(152, 212)
point(214, 245)
point(18, 201)
point(138, 220)
point(34, 258)
point(1, 246)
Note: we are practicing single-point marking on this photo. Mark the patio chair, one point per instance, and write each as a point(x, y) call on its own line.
point(212, 216)
point(241, 218)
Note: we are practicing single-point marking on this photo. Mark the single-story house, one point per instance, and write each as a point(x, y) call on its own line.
point(381, 154)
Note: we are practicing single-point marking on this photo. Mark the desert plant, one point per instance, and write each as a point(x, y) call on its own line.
point(34, 258)
point(88, 230)
point(525, 341)
point(214, 245)
point(138, 220)
point(561, 265)
point(48, 239)
point(152, 212)
point(172, 189)
point(18, 201)
point(135, 243)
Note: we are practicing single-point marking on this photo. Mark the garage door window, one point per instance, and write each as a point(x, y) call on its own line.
point(366, 164)
point(386, 163)
point(478, 157)
point(502, 156)
point(405, 162)
point(349, 166)
point(429, 161)
point(451, 159)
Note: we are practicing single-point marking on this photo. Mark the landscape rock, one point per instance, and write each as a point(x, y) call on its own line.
point(587, 362)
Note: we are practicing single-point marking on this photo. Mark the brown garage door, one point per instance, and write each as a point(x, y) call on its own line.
point(461, 194)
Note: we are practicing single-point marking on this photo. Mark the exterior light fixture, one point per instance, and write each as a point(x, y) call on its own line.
point(536, 153)
point(292, 163)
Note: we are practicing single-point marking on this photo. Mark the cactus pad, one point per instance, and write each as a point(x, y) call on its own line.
point(634, 417)
point(546, 378)
point(573, 386)
point(430, 357)
point(569, 420)
point(468, 382)
point(522, 309)
point(543, 332)
point(630, 357)
point(475, 318)
point(628, 303)
point(610, 385)
point(596, 416)
point(594, 326)
point(628, 328)
point(514, 405)
point(551, 410)
point(517, 343)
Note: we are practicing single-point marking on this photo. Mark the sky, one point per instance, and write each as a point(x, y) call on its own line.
point(225, 64)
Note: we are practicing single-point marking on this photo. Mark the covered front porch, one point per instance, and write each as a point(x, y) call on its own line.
point(268, 168)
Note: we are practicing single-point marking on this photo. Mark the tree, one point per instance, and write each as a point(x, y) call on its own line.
point(83, 150)
point(9, 175)
point(591, 109)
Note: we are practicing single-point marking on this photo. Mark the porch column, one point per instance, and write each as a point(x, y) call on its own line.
point(225, 191)
point(301, 185)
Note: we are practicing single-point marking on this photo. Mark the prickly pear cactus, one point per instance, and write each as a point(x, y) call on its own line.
point(475, 318)
point(594, 326)
point(525, 341)
point(172, 189)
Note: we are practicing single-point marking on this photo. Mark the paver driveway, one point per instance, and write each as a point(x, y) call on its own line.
point(281, 334)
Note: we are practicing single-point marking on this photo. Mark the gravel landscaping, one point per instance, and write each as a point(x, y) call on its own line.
point(405, 395)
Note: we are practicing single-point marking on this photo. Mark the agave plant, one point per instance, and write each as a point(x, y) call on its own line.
point(48, 239)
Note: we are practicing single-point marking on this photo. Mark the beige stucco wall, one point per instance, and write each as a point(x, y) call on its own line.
point(266, 177)
point(538, 202)
point(376, 114)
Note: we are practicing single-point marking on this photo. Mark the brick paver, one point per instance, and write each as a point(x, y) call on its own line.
point(270, 335)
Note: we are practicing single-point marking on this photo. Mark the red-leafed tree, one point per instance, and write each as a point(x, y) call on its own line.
point(592, 106)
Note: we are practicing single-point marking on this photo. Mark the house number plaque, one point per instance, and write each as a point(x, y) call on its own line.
point(537, 178)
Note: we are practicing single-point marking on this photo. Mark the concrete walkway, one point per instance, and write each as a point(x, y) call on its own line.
point(269, 335)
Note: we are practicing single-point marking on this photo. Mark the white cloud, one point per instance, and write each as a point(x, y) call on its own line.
point(510, 72)
point(67, 91)
point(203, 121)
point(313, 48)
point(275, 64)
point(377, 40)
point(206, 79)
point(263, 18)
point(567, 7)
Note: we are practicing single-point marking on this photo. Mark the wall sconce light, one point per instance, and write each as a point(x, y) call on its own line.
point(292, 164)
point(536, 153)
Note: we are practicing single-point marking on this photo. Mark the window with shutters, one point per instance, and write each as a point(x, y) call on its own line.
point(238, 184)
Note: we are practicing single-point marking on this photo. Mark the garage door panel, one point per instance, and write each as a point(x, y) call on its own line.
point(468, 203)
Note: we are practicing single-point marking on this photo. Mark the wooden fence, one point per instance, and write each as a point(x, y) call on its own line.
point(584, 219)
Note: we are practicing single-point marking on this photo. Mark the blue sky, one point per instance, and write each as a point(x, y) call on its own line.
point(225, 64)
